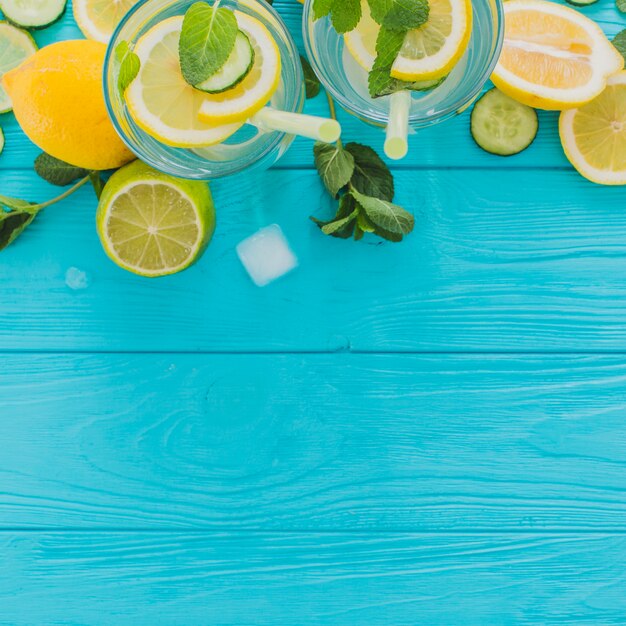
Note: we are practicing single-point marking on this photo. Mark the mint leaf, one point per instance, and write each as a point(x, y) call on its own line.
point(15, 204)
point(311, 82)
point(129, 65)
point(621, 5)
point(385, 216)
point(206, 41)
point(322, 8)
point(388, 46)
point(371, 176)
point(401, 15)
point(344, 222)
point(619, 41)
point(339, 225)
point(57, 172)
point(334, 165)
point(346, 15)
point(13, 223)
point(97, 183)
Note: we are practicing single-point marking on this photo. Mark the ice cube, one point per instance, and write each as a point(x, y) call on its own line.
point(266, 255)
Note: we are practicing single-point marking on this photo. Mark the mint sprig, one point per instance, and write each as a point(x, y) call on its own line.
point(619, 41)
point(399, 15)
point(621, 5)
point(344, 14)
point(130, 65)
point(364, 185)
point(207, 39)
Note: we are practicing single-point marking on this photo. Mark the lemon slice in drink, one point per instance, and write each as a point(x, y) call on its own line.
point(161, 102)
point(429, 52)
point(152, 224)
point(553, 57)
point(257, 88)
point(16, 45)
point(594, 135)
point(97, 19)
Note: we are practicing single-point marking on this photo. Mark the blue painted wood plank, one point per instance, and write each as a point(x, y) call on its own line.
point(445, 145)
point(518, 261)
point(312, 579)
point(313, 442)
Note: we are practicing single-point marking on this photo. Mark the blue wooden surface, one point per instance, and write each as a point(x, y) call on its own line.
point(425, 433)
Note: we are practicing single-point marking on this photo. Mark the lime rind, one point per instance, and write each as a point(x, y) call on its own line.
point(16, 45)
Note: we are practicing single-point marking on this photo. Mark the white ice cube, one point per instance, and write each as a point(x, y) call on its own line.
point(266, 255)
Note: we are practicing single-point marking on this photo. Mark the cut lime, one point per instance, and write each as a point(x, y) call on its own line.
point(15, 46)
point(152, 224)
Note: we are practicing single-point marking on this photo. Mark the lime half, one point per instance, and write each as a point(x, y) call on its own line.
point(152, 224)
point(16, 45)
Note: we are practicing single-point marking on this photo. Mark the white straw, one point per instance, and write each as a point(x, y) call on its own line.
point(318, 128)
point(397, 143)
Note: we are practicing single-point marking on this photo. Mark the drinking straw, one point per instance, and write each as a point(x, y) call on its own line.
point(396, 143)
point(318, 128)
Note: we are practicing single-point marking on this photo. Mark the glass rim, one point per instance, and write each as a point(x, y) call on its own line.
point(416, 119)
point(294, 105)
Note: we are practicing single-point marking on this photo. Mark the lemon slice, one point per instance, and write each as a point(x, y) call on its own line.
point(553, 57)
point(429, 52)
point(256, 89)
point(159, 99)
point(152, 224)
point(16, 45)
point(594, 135)
point(97, 19)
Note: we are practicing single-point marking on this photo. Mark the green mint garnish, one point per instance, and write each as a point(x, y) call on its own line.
point(344, 14)
point(129, 65)
point(619, 41)
point(206, 41)
point(57, 172)
point(400, 15)
point(365, 187)
point(15, 217)
point(621, 5)
point(335, 166)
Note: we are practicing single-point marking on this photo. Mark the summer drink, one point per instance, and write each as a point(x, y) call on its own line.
point(406, 77)
point(201, 90)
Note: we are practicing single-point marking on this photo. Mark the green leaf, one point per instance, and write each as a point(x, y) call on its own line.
point(333, 227)
point(311, 82)
point(400, 15)
point(57, 172)
point(16, 204)
point(346, 15)
point(13, 224)
point(388, 46)
point(387, 217)
point(621, 5)
point(129, 65)
point(371, 175)
point(619, 41)
point(97, 183)
point(344, 227)
point(206, 41)
point(322, 8)
point(335, 166)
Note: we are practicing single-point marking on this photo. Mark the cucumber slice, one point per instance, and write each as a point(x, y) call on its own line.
point(501, 125)
point(581, 3)
point(33, 13)
point(236, 68)
point(1, 141)
point(16, 45)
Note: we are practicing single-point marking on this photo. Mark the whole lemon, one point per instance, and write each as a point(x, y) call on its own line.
point(58, 101)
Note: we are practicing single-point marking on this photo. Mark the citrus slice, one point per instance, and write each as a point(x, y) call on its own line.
point(97, 19)
point(16, 45)
point(257, 88)
point(553, 57)
point(429, 52)
point(152, 224)
point(594, 135)
point(161, 102)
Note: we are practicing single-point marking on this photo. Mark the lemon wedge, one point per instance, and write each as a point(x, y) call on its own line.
point(256, 89)
point(429, 52)
point(553, 57)
point(161, 102)
point(594, 135)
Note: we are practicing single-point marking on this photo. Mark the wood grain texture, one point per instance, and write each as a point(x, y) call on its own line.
point(313, 442)
point(488, 268)
point(234, 579)
point(447, 145)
